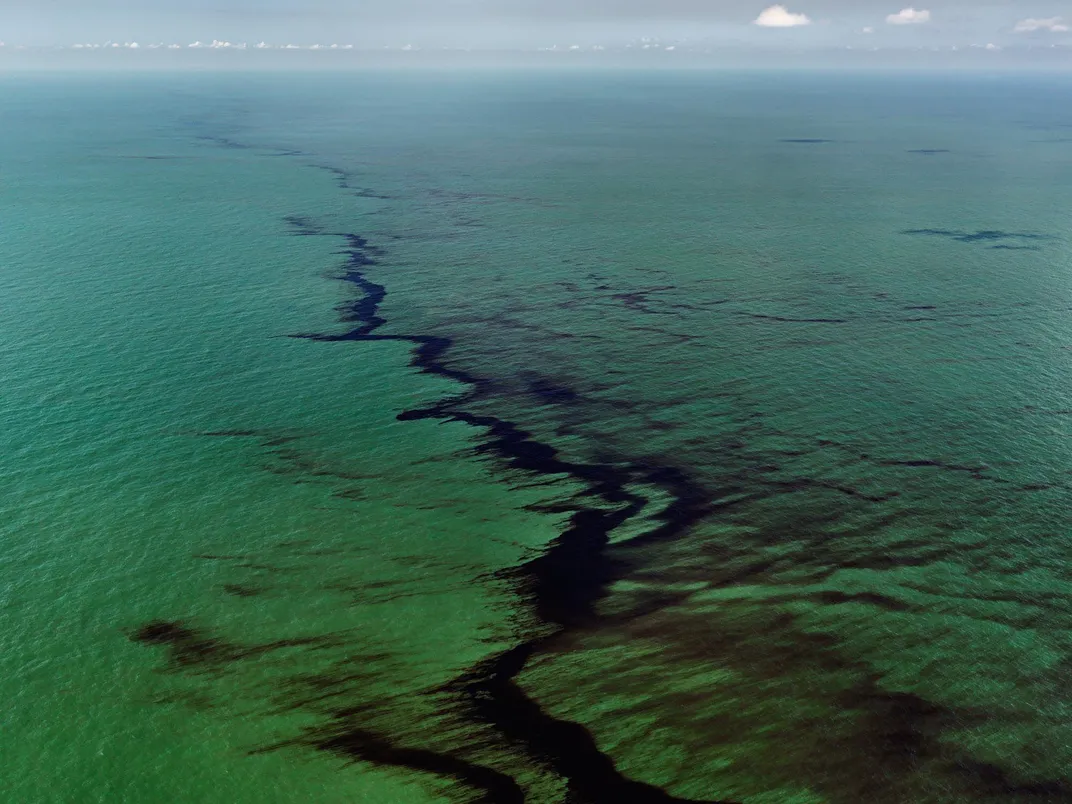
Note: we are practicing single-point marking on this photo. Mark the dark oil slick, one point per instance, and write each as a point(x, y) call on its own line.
point(643, 459)
point(563, 584)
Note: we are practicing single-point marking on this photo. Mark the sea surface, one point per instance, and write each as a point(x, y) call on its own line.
point(588, 437)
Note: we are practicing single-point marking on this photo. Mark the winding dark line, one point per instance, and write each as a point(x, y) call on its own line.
point(564, 584)
point(567, 747)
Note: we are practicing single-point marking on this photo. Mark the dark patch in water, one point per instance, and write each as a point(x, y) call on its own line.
point(225, 142)
point(186, 647)
point(234, 145)
point(680, 337)
point(806, 140)
point(366, 746)
point(926, 463)
point(786, 320)
point(547, 391)
point(189, 648)
point(904, 725)
point(343, 181)
point(997, 782)
point(241, 590)
point(872, 598)
point(1060, 412)
point(807, 483)
point(928, 151)
point(568, 747)
point(303, 226)
point(157, 158)
point(980, 236)
point(640, 301)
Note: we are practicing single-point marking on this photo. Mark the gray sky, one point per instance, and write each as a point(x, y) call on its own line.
point(536, 23)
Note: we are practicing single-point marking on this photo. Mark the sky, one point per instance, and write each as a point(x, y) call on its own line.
point(530, 24)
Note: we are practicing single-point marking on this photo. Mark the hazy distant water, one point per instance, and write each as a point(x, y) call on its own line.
point(830, 312)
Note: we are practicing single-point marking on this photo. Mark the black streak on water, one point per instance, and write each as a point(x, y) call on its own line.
point(564, 583)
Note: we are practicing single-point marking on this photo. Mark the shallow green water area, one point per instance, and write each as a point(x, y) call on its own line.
point(819, 323)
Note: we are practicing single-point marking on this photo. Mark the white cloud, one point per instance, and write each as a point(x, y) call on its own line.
point(868, 30)
point(1030, 25)
point(909, 16)
point(781, 17)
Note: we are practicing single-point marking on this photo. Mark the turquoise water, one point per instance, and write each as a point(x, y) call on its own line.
point(788, 523)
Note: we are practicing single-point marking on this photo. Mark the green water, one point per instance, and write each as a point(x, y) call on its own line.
point(837, 306)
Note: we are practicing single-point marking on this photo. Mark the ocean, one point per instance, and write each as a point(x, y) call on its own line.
point(546, 436)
